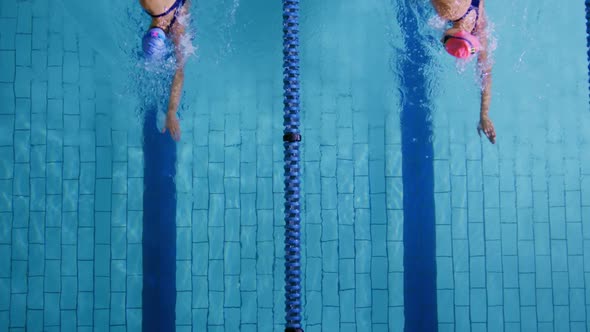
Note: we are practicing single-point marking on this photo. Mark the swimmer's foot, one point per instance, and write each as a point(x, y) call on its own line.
point(486, 125)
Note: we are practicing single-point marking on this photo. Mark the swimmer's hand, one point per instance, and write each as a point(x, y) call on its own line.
point(172, 125)
point(486, 125)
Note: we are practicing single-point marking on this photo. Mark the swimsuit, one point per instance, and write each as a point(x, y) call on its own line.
point(474, 6)
point(177, 4)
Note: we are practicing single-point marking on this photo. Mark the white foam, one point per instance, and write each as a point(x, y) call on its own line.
point(186, 46)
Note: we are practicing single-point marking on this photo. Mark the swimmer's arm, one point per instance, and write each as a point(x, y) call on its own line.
point(178, 80)
point(486, 86)
point(485, 69)
point(172, 123)
point(176, 90)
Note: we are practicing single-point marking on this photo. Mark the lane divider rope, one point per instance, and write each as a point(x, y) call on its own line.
point(291, 143)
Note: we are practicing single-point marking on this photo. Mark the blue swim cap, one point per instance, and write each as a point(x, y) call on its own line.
point(154, 43)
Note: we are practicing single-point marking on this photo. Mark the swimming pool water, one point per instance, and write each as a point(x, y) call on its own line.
point(408, 216)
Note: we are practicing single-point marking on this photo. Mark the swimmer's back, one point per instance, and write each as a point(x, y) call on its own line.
point(448, 9)
point(156, 7)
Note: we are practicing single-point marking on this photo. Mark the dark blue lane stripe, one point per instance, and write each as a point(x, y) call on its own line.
point(418, 179)
point(159, 228)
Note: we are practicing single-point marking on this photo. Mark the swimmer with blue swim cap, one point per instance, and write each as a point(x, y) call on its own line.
point(466, 38)
point(165, 30)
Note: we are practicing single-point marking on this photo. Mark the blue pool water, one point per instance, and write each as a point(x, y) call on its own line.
point(410, 220)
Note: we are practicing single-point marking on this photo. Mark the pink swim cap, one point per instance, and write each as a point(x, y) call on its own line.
point(461, 44)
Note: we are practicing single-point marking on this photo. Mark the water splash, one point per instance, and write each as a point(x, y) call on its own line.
point(438, 23)
point(186, 46)
point(229, 20)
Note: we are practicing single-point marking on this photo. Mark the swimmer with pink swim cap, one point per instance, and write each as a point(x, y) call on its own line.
point(164, 33)
point(465, 39)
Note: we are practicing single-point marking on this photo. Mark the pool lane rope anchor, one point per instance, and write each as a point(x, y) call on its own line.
point(291, 141)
